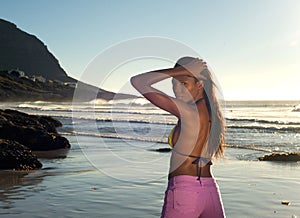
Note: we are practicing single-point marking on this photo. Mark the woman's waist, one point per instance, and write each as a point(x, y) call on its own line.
point(189, 181)
point(190, 170)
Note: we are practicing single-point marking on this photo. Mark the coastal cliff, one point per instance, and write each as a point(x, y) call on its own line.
point(20, 50)
point(30, 72)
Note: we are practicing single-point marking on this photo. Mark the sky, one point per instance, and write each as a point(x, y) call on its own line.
point(253, 47)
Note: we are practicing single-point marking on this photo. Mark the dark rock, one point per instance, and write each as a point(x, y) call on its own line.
point(38, 122)
point(14, 155)
point(163, 150)
point(291, 156)
point(50, 120)
point(58, 153)
point(38, 133)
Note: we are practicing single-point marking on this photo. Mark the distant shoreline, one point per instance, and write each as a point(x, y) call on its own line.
point(16, 88)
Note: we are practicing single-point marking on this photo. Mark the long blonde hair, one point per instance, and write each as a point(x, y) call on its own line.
point(216, 140)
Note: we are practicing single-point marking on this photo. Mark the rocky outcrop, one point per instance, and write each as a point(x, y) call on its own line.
point(21, 134)
point(292, 156)
point(15, 156)
point(13, 88)
point(38, 133)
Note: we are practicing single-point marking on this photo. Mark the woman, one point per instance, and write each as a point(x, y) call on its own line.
point(196, 139)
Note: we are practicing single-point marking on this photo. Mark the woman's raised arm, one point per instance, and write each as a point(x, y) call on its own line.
point(143, 83)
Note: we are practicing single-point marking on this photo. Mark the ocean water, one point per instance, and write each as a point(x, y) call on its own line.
point(265, 126)
point(113, 170)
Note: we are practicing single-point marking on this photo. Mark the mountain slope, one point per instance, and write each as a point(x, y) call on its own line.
point(20, 50)
point(25, 52)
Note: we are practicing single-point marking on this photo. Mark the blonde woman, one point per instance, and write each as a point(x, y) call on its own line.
point(196, 139)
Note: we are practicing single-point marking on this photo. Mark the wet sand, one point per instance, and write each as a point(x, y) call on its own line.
point(259, 189)
point(73, 187)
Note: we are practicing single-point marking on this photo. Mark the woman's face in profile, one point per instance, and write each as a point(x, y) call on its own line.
point(186, 88)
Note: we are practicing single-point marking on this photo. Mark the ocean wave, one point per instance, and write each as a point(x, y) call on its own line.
point(261, 104)
point(272, 127)
point(296, 108)
point(138, 101)
point(45, 107)
point(131, 101)
point(161, 140)
point(266, 128)
point(254, 120)
point(136, 121)
point(123, 111)
point(79, 120)
point(134, 117)
point(116, 136)
point(100, 109)
point(249, 147)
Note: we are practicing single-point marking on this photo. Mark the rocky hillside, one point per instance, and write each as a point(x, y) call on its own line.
point(27, 54)
point(23, 88)
point(14, 88)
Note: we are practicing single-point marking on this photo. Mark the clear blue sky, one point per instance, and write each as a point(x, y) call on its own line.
point(252, 46)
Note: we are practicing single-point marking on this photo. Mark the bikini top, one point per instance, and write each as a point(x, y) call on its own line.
point(170, 137)
point(199, 160)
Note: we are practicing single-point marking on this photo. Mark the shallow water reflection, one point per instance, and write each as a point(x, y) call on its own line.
point(13, 186)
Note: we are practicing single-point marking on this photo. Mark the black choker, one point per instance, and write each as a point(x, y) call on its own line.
point(196, 102)
point(200, 99)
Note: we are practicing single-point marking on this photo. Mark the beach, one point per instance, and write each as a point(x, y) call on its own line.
point(116, 172)
point(75, 188)
point(257, 189)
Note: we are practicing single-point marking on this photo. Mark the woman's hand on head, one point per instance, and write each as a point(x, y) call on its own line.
point(195, 68)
